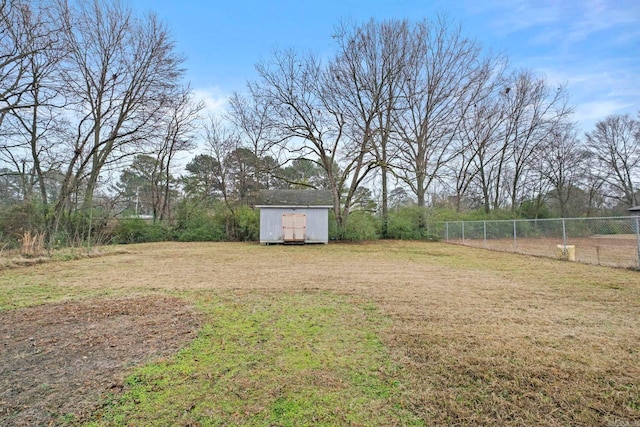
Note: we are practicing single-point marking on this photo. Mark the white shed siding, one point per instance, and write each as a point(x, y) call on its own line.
point(317, 223)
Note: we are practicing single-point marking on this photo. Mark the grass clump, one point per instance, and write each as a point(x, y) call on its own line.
point(32, 244)
point(264, 359)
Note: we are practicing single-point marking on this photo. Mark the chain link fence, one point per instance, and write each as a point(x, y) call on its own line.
point(611, 241)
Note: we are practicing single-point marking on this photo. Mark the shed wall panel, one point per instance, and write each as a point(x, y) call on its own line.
point(317, 224)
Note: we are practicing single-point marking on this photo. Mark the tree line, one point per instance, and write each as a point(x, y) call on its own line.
point(95, 113)
point(84, 86)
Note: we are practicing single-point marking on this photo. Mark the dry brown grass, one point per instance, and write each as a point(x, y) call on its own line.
point(32, 245)
point(619, 250)
point(484, 338)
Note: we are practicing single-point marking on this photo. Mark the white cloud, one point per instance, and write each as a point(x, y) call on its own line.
point(214, 99)
point(552, 20)
point(599, 15)
point(587, 114)
point(595, 82)
point(509, 16)
point(596, 90)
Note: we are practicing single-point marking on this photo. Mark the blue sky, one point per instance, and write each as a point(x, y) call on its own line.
point(591, 45)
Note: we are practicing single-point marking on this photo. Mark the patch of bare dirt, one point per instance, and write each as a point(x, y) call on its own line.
point(58, 361)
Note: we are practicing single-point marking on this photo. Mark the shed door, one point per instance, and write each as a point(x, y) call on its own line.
point(294, 227)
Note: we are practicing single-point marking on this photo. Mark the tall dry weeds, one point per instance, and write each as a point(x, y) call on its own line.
point(32, 245)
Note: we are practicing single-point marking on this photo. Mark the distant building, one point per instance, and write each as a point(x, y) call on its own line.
point(634, 210)
point(294, 216)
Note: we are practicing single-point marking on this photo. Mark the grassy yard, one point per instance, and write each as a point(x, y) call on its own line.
point(387, 333)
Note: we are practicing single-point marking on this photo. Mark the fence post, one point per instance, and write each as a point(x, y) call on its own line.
point(564, 237)
point(463, 232)
point(638, 238)
point(484, 225)
point(515, 239)
point(446, 231)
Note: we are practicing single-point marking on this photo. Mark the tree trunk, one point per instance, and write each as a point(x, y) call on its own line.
point(385, 198)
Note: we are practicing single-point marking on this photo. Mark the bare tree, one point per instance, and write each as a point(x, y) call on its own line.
point(368, 72)
point(120, 73)
point(254, 125)
point(593, 183)
point(308, 113)
point(479, 140)
point(29, 54)
point(562, 163)
point(180, 126)
point(615, 144)
point(36, 125)
point(445, 77)
point(221, 142)
point(533, 113)
point(24, 32)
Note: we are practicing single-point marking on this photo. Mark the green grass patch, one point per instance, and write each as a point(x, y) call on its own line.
point(24, 283)
point(286, 359)
point(21, 288)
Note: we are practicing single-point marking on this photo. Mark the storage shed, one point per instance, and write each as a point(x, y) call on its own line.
point(294, 216)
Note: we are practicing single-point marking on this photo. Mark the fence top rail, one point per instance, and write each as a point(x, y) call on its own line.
point(480, 221)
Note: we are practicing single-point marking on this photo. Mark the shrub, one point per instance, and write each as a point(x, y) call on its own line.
point(246, 223)
point(210, 232)
point(481, 215)
point(136, 230)
point(404, 223)
point(361, 226)
point(414, 223)
point(197, 224)
point(534, 209)
point(18, 219)
point(75, 228)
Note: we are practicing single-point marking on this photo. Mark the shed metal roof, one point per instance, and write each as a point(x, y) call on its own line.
point(295, 198)
point(634, 209)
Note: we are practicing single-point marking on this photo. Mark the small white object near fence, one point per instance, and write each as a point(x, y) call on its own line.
point(567, 253)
